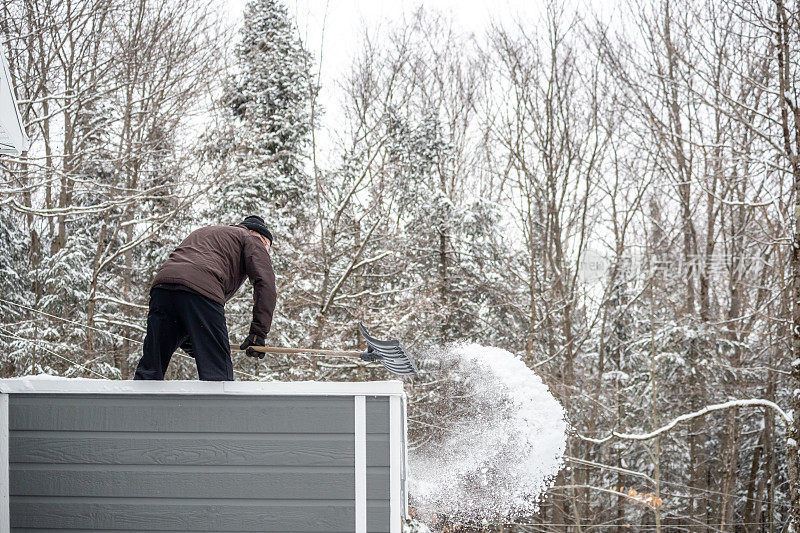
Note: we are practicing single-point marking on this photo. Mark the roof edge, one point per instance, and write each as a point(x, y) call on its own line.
point(51, 384)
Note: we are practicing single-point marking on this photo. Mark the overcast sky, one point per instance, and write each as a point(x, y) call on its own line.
point(332, 30)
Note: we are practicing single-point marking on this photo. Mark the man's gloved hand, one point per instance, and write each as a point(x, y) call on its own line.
point(252, 340)
point(188, 348)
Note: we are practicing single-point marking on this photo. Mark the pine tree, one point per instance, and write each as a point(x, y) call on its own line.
point(450, 230)
point(15, 283)
point(269, 102)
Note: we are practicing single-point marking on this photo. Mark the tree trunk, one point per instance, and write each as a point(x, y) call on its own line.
point(751, 510)
point(730, 450)
point(791, 125)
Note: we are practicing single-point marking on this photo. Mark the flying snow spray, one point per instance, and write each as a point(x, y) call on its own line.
point(494, 437)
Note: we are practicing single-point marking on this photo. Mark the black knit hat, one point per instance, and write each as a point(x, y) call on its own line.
point(256, 223)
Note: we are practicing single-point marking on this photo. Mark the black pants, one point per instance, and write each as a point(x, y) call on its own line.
point(177, 316)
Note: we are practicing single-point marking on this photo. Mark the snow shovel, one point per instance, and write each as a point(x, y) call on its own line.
point(388, 353)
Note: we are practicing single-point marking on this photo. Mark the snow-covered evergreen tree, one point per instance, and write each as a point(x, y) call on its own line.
point(15, 286)
point(446, 231)
point(269, 102)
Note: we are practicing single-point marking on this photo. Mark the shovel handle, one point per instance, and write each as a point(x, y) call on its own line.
point(311, 351)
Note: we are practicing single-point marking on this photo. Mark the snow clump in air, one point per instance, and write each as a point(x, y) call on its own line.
point(500, 442)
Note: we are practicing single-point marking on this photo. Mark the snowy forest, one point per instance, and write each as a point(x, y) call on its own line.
point(614, 201)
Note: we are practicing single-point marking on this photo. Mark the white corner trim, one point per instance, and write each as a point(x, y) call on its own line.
point(267, 388)
point(395, 465)
point(405, 458)
point(5, 512)
point(361, 464)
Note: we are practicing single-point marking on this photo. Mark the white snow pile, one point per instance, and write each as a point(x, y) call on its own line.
point(501, 444)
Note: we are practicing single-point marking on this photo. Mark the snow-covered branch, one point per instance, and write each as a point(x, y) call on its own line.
point(354, 265)
point(784, 416)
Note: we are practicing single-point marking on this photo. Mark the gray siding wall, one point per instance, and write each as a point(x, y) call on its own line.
point(193, 463)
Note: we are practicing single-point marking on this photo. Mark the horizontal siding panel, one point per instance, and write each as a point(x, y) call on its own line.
point(378, 493)
point(169, 515)
point(31, 530)
point(177, 413)
point(193, 449)
point(104, 481)
point(158, 463)
point(378, 516)
point(378, 414)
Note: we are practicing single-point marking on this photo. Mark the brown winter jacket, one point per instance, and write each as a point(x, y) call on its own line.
point(214, 261)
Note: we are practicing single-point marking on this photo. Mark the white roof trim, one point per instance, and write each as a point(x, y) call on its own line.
point(42, 384)
point(13, 139)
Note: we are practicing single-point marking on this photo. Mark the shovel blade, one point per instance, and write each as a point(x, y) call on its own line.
point(390, 354)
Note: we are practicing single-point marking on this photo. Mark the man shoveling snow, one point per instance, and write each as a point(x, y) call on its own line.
point(190, 291)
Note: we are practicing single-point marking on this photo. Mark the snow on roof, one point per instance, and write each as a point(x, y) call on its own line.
point(44, 383)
